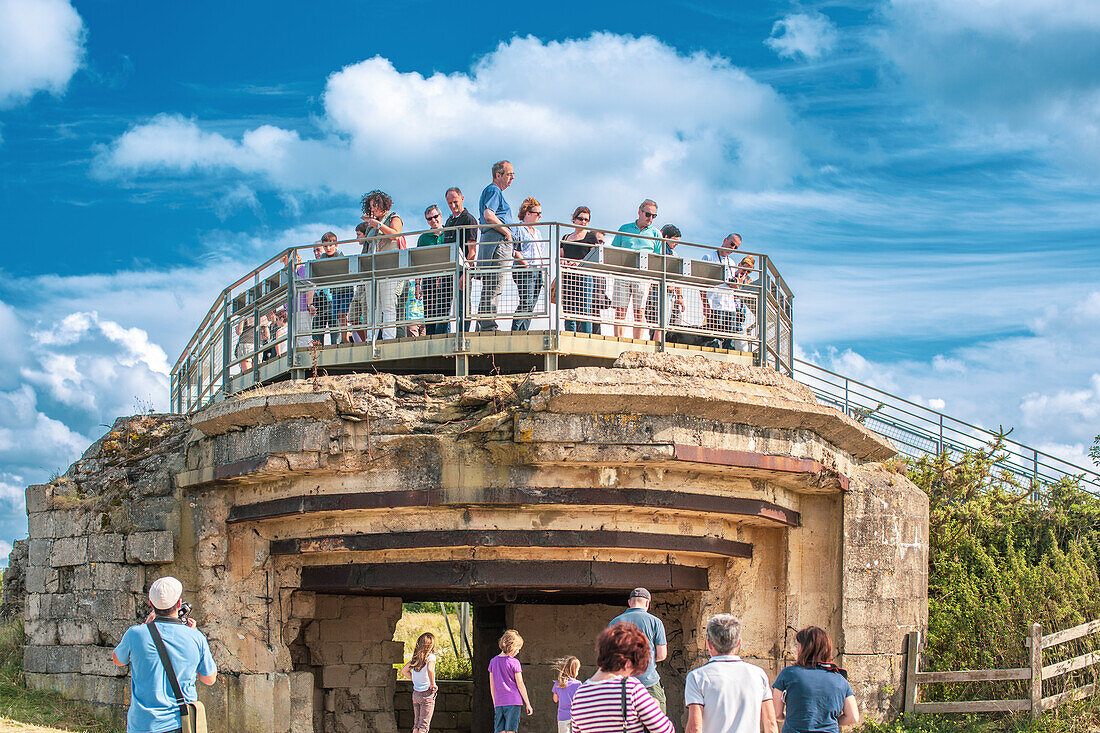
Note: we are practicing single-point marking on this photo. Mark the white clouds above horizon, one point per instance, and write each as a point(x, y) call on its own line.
point(809, 35)
point(587, 113)
point(41, 47)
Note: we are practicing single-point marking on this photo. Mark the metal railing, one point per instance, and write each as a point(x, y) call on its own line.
point(916, 430)
point(272, 323)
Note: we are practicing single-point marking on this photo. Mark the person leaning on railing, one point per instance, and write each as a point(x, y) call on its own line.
point(341, 297)
point(576, 289)
point(721, 306)
point(495, 251)
point(527, 267)
point(630, 291)
point(461, 227)
point(434, 291)
point(670, 237)
point(384, 235)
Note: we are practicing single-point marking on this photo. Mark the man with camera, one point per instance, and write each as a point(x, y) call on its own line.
point(153, 705)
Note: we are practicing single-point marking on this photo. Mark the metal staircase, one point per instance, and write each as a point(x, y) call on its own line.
point(917, 431)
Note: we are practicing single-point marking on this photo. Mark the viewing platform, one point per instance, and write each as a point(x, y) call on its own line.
point(372, 306)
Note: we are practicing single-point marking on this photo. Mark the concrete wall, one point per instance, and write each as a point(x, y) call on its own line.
point(156, 496)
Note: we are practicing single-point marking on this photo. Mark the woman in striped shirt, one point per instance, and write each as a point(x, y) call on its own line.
point(612, 701)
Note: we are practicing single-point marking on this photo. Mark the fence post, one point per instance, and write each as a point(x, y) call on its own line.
point(1035, 642)
point(912, 660)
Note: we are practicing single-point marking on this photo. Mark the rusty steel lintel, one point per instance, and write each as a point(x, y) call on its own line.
point(240, 468)
point(506, 576)
point(607, 539)
point(761, 461)
point(578, 496)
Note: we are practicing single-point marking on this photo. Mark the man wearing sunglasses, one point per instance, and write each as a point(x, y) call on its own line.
point(629, 292)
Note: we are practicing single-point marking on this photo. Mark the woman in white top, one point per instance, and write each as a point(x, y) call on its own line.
point(528, 264)
point(421, 670)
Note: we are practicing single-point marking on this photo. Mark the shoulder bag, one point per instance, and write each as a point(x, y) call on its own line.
point(192, 714)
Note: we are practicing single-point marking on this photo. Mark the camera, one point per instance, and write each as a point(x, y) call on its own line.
point(185, 610)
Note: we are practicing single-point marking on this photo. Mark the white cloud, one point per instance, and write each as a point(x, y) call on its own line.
point(1026, 71)
point(607, 112)
point(1043, 383)
point(13, 493)
point(809, 35)
point(41, 47)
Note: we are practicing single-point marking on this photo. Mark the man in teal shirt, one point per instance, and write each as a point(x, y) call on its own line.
point(627, 291)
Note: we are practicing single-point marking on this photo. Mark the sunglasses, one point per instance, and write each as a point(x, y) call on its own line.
point(536, 213)
point(582, 219)
point(649, 215)
point(434, 216)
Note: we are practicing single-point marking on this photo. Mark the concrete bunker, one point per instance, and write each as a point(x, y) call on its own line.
point(301, 515)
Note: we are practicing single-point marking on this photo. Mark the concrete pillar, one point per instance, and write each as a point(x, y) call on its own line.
point(489, 624)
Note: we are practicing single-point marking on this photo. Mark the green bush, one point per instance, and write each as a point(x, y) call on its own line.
point(1000, 559)
point(447, 667)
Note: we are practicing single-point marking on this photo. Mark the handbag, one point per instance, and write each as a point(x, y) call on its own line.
point(192, 714)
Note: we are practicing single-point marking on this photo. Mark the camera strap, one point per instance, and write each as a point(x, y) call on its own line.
point(163, 652)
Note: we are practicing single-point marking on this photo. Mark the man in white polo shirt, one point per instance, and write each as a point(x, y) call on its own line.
point(727, 694)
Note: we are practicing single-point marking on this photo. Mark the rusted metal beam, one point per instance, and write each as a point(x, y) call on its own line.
point(508, 578)
point(513, 538)
point(580, 496)
point(749, 459)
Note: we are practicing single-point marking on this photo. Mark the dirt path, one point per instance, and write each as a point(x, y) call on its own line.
point(7, 725)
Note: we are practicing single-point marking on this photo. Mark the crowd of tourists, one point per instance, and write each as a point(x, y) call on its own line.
point(492, 243)
point(167, 655)
point(625, 695)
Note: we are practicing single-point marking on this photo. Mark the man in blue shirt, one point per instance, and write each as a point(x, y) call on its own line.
point(628, 290)
point(153, 707)
point(654, 630)
point(495, 249)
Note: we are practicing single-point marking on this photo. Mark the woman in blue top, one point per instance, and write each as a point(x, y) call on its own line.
point(813, 695)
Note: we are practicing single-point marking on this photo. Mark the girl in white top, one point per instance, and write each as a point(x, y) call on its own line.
point(421, 670)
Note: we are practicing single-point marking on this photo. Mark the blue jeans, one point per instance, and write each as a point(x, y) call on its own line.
point(529, 283)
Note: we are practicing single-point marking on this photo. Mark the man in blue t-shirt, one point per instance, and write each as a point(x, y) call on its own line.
point(496, 249)
point(654, 630)
point(153, 707)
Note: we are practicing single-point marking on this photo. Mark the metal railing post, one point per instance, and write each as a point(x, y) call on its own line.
point(291, 309)
point(790, 336)
point(662, 302)
point(459, 294)
point(762, 312)
point(940, 447)
point(227, 341)
point(847, 411)
point(557, 284)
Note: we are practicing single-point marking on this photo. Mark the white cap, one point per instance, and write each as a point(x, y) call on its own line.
point(165, 592)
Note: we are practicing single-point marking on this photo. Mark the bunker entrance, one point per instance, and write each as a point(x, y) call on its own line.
point(350, 649)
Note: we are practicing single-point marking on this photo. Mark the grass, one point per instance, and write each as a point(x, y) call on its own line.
point(19, 704)
point(448, 666)
point(1079, 717)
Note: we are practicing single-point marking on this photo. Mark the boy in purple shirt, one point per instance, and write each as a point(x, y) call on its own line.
point(506, 684)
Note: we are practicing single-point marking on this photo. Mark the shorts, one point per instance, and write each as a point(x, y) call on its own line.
point(506, 717)
point(565, 726)
point(626, 291)
point(341, 299)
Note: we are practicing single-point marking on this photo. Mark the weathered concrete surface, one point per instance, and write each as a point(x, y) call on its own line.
point(257, 504)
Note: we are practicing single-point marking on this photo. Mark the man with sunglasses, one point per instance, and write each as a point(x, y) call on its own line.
point(628, 292)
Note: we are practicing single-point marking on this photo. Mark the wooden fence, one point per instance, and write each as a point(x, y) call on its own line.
point(1035, 672)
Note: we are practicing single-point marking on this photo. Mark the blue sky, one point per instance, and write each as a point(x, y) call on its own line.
point(923, 172)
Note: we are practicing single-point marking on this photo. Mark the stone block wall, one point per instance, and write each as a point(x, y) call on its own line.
point(92, 556)
point(347, 644)
point(452, 706)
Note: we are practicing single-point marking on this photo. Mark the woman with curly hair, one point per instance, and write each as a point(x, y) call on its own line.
point(382, 234)
point(613, 700)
